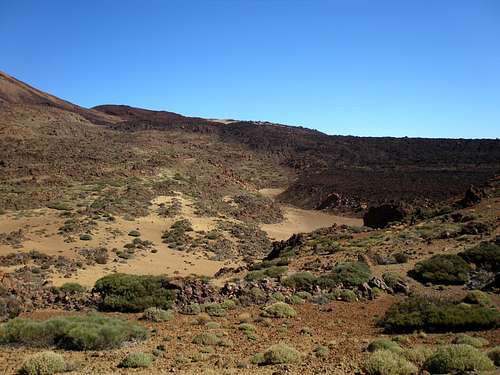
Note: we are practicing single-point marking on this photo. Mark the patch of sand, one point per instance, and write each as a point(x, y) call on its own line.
point(298, 220)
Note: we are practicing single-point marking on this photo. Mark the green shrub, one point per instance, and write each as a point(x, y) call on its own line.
point(85, 237)
point(212, 325)
point(321, 351)
point(295, 300)
point(347, 295)
point(486, 255)
point(477, 297)
point(136, 360)
point(134, 233)
point(87, 332)
point(192, 309)
point(494, 355)
point(300, 281)
point(348, 274)
point(44, 363)
point(458, 358)
point(215, 309)
point(228, 304)
point(386, 362)
point(442, 269)
point(476, 342)
point(438, 315)
point(72, 288)
point(383, 344)
point(206, 338)
point(278, 296)
point(278, 310)
point(417, 355)
point(278, 354)
point(248, 330)
point(304, 295)
point(133, 293)
point(271, 272)
point(155, 314)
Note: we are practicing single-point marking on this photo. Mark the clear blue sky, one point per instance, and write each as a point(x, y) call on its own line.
point(428, 68)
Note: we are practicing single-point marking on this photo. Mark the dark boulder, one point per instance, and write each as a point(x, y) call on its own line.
point(473, 195)
point(381, 216)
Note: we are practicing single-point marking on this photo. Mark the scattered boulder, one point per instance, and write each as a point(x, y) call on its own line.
point(473, 195)
point(381, 216)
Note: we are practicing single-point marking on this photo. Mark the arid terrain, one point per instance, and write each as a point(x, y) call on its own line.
point(137, 241)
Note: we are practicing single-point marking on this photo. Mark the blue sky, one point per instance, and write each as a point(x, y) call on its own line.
point(423, 68)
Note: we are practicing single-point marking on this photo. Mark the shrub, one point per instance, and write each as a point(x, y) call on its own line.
point(72, 288)
point(228, 304)
point(386, 362)
point(134, 233)
point(477, 297)
point(304, 295)
point(132, 293)
point(280, 353)
point(442, 269)
point(44, 363)
point(438, 315)
point(417, 355)
point(278, 296)
point(383, 344)
point(476, 342)
point(486, 255)
point(321, 351)
point(212, 325)
point(87, 332)
point(348, 274)
point(300, 281)
point(156, 314)
point(192, 309)
point(295, 300)
point(215, 309)
point(494, 355)
point(10, 306)
point(136, 360)
point(248, 330)
point(458, 358)
point(271, 272)
point(206, 338)
point(278, 310)
point(85, 237)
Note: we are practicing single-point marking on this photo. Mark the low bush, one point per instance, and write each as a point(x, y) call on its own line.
point(383, 344)
point(248, 330)
point(321, 351)
point(438, 315)
point(458, 359)
point(215, 309)
point(277, 354)
point(486, 255)
point(476, 342)
point(133, 293)
point(87, 332)
point(348, 274)
point(477, 297)
point(417, 355)
point(494, 355)
point(85, 237)
point(192, 309)
point(206, 338)
point(442, 269)
point(387, 362)
point(155, 314)
point(72, 288)
point(43, 363)
point(270, 272)
point(301, 281)
point(136, 360)
point(278, 310)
